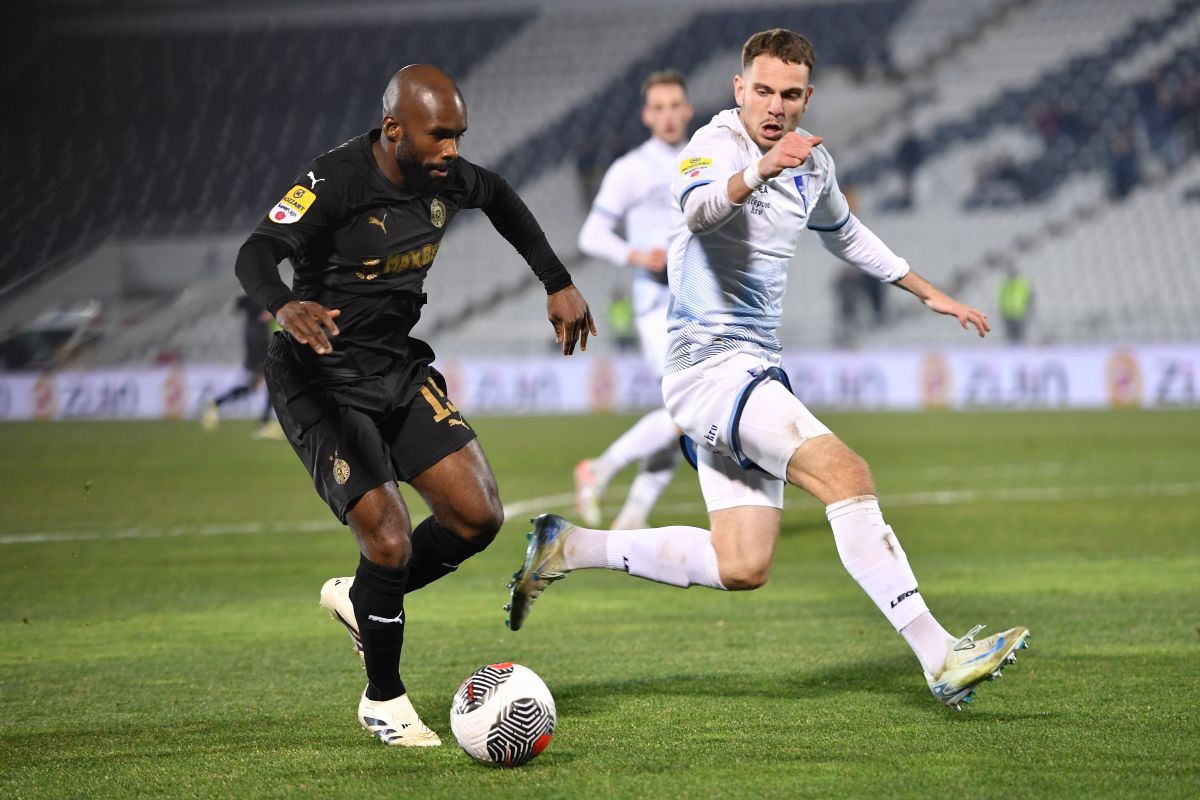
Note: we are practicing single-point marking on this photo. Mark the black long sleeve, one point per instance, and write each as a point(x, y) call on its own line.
point(513, 220)
point(257, 268)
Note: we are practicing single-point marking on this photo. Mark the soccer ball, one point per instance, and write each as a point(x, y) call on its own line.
point(503, 715)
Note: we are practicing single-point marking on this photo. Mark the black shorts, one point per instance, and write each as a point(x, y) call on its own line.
point(350, 451)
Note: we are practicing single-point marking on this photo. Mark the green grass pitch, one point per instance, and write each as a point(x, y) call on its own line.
point(160, 635)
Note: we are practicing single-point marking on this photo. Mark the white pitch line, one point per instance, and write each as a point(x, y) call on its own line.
point(952, 497)
point(558, 502)
point(223, 529)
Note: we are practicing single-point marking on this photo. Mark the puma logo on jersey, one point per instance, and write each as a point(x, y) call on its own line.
point(315, 180)
point(373, 220)
point(453, 421)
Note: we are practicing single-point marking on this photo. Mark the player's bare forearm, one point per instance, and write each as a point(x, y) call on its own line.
point(937, 300)
point(571, 318)
point(737, 189)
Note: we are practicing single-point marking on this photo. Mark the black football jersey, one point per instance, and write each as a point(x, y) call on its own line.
point(364, 245)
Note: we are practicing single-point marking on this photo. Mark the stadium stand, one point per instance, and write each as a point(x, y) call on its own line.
point(1027, 115)
point(196, 130)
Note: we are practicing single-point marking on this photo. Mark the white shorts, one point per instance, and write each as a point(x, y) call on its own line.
point(704, 400)
point(650, 305)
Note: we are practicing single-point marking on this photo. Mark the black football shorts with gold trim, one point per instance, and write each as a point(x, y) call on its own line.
point(350, 450)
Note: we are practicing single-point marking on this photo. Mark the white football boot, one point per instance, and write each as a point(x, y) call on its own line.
point(335, 598)
point(544, 564)
point(395, 722)
point(588, 492)
point(970, 662)
point(210, 417)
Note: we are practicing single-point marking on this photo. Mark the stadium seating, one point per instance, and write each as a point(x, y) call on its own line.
point(196, 128)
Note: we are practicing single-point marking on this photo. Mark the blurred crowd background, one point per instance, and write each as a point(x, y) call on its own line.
point(1039, 158)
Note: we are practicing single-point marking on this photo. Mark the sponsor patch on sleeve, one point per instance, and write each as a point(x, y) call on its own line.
point(692, 167)
point(293, 205)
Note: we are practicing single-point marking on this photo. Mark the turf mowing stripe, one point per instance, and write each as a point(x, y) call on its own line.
point(1032, 494)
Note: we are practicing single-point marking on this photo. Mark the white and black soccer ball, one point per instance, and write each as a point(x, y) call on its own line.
point(503, 715)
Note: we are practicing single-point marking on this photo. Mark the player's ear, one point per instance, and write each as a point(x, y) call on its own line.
point(392, 129)
point(739, 89)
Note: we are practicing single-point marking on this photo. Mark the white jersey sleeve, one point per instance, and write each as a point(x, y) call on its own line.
point(598, 237)
point(844, 235)
point(711, 155)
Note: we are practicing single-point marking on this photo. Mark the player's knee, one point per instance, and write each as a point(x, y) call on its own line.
point(481, 522)
point(389, 550)
point(486, 524)
point(744, 577)
point(742, 572)
point(381, 526)
point(851, 477)
point(858, 475)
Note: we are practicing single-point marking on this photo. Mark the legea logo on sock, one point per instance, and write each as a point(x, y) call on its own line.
point(904, 597)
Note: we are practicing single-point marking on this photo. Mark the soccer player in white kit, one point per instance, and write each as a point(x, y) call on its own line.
point(747, 185)
point(636, 195)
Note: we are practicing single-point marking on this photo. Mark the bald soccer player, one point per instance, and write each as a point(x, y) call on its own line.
point(355, 393)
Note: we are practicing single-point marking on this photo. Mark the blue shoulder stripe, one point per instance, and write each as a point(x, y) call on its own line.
point(824, 229)
point(683, 195)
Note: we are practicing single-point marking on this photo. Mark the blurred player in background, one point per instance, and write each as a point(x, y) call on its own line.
point(356, 395)
point(257, 327)
point(635, 195)
point(748, 184)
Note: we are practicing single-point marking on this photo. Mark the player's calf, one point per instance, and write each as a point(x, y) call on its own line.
point(438, 549)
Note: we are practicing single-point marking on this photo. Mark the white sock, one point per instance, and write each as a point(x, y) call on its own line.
point(648, 435)
point(678, 555)
point(656, 472)
point(928, 639)
point(873, 557)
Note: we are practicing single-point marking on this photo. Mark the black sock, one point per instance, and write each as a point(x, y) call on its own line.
point(437, 551)
point(266, 412)
point(232, 394)
point(378, 598)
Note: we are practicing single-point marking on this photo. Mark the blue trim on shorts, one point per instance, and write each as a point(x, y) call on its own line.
point(689, 450)
point(689, 447)
point(735, 440)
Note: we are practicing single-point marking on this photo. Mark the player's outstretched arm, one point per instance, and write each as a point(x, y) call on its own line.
point(937, 300)
point(571, 318)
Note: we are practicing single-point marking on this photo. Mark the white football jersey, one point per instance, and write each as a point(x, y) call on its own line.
point(636, 190)
point(636, 193)
point(727, 285)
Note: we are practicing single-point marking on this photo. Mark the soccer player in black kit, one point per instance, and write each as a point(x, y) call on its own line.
point(355, 393)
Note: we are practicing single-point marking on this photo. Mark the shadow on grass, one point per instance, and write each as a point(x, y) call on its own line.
point(892, 678)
